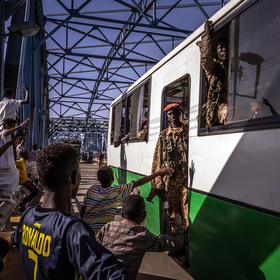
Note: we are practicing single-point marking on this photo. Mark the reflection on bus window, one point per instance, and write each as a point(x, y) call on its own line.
point(255, 67)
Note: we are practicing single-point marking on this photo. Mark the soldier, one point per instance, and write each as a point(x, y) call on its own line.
point(172, 151)
point(215, 110)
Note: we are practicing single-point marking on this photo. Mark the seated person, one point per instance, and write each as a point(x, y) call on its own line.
point(100, 203)
point(9, 105)
point(61, 246)
point(129, 241)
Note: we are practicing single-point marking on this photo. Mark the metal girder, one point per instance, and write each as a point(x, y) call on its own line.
point(94, 54)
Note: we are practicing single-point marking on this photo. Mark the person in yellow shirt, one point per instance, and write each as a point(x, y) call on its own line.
point(23, 179)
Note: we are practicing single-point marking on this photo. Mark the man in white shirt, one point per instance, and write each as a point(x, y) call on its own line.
point(9, 176)
point(9, 105)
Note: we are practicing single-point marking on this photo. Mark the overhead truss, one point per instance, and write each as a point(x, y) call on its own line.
point(97, 49)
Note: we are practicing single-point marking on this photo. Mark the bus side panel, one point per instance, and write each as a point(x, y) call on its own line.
point(243, 167)
point(228, 241)
point(152, 209)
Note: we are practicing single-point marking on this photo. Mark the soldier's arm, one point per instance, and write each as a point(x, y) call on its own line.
point(205, 46)
point(146, 179)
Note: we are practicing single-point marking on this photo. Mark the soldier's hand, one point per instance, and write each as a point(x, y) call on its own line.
point(165, 171)
point(209, 27)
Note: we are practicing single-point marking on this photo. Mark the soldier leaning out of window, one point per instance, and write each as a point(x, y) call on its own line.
point(215, 109)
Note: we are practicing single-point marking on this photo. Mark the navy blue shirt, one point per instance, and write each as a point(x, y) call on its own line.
point(57, 247)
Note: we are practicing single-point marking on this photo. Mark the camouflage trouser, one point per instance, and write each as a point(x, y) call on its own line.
point(177, 195)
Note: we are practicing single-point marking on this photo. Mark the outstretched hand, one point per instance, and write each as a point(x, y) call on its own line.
point(25, 123)
point(209, 27)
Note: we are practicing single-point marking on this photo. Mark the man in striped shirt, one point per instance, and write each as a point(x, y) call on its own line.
point(100, 203)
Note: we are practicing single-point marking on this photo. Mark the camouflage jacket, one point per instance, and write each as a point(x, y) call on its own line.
point(171, 151)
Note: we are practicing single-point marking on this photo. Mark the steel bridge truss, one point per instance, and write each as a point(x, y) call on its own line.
point(97, 49)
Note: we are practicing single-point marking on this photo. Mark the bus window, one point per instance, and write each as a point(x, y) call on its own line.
point(113, 126)
point(130, 116)
point(214, 62)
point(117, 123)
point(255, 67)
point(177, 92)
point(138, 112)
point(251, 78)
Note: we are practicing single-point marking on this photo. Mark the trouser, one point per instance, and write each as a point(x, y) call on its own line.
point(177, 198)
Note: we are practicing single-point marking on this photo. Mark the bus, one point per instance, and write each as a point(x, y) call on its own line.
point(233, 179)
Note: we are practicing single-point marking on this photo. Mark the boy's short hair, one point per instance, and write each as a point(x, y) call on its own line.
point(35, 147)
point(8, 92)
point(105, 175)
point(55, 163)
point(132, 207)
point(9, 122)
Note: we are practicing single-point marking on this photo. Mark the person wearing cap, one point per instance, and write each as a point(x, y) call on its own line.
point(215, 109)
point(172, 151)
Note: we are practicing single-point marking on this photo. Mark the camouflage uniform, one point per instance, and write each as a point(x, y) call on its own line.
point(142, 134)
point(172, 151)
point(217, 81)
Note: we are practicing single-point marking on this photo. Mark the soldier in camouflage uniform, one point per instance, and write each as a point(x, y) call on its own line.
point(215, 109)
point(172, 151)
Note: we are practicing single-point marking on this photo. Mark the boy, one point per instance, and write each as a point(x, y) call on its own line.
point(53, 244)
point(101, 202)
point(9, 105)
point(8, 173)
point(129, 241)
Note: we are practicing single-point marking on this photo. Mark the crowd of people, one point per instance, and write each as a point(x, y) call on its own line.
point(54, 243)
point(63, 246)
point(15, 171)
point(93, 246)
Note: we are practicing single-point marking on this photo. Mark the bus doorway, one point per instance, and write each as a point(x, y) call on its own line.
point(175, 204)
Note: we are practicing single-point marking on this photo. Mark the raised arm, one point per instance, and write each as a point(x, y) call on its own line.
point(11, 142)
point(146, 179)
point(26, 100)
point(205, 46)
point(12, 130)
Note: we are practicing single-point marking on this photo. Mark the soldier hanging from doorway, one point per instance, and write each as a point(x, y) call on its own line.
point(172, 151)
point(215, 109)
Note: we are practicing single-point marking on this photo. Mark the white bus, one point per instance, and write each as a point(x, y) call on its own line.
point(234, 173)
